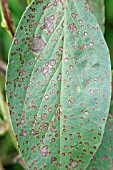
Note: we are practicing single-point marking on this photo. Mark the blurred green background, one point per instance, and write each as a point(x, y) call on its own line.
point(9, 157)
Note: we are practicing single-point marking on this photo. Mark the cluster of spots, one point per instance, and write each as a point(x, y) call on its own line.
point(44, 126)
point(22, 72)
point(46, 70)
point(44, 116)
point(72, 28)
point(56, 2)
point(49, 24)
point(54, 92)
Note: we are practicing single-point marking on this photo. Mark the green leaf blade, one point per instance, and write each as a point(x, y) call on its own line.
point(59, 85)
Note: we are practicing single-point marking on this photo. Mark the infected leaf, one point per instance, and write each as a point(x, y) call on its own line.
point(58, 85)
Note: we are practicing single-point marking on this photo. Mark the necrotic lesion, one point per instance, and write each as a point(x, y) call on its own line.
point(38, 44)
point(49, 24)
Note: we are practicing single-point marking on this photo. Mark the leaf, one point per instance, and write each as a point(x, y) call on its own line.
point(103, 159)
point(58, 85)
point(98, 8)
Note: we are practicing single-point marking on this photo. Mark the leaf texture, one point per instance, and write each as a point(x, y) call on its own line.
point(58, 85)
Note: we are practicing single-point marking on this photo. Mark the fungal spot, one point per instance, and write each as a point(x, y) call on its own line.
point(50, 109)
point(24, 133)
point(59, 77)
point(44, 151)
point(45, 71)
point(70, 102)
point(52, 62)
point(86, 143)
point(84, 150)
point(71, 67)
point(98, 91)
point(49, 24)
point(74, 164)
point(44, 116)
point(53, 159)
point(99, 134)
point(46, 97)
point(91, 91)
point(94, 147)
point(73, 29)
point(22, 121)
point(44, 126)
point(74, 15)
point(91, 44)
point(34, 132)
point(91, 153)
point(53, 129)
point(22, 72)
point(85, 34)
point(38, 44)
point(86, 112)
point(72, 147)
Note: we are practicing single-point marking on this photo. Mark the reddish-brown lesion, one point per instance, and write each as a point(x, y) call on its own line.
point(8, 18)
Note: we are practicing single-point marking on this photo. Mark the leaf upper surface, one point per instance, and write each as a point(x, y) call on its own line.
point(58, 85)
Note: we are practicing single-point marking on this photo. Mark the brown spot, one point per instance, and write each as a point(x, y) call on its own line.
point(44, 151)
point(53, 129)
point(86, 143)
point(53, 159)
point(52, 62)
point(59, 77)
point(44, 116)
point(45, 71)
point(44, 126)
point(22, 121)
point(38, 44)
point(48, 24)
point(46, 97)
point(74, 164)
point(34, 132)
point(22, 73)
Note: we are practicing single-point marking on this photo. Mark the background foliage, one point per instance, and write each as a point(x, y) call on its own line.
point(9, 157)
